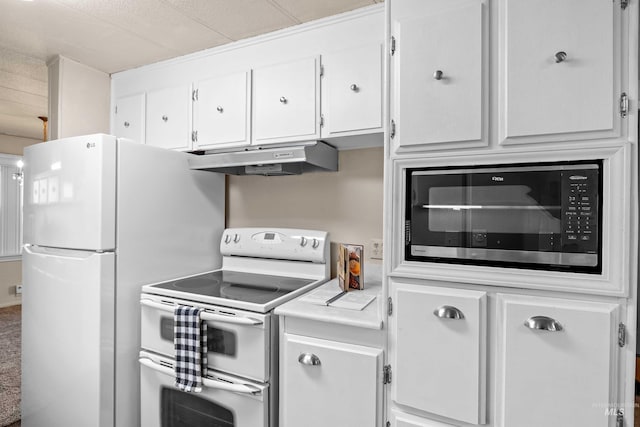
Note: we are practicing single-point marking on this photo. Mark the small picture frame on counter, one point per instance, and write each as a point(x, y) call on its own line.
point(350, 267)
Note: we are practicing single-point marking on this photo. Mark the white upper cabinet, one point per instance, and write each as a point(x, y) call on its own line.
point(559, 356)
point(352, 91)
point(437, 73)
point(286, 102)
point(221, 114)
point(129, 117)
point(439, 351)
point(168, 121)
point(560, 70)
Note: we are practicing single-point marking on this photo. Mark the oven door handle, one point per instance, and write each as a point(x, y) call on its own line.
point(205, 315)
point(207, 382)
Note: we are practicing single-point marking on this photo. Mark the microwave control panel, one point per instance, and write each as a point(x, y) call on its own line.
point(580, 210)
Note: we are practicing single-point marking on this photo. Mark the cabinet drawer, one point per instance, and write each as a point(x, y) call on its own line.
point(329, 383)
point(439, 360)
point(556, 361)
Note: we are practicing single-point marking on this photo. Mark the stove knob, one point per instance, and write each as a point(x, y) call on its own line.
point(236, 238)
point(227, 239)
point(303, 241)
point(315, 243)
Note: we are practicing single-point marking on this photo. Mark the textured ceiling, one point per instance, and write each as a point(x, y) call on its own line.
point(116, 35)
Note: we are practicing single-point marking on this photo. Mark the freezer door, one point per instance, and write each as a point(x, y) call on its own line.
point(70, 193)
point(67, 338)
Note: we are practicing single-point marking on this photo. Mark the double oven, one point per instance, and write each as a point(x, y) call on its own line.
point(261, 269)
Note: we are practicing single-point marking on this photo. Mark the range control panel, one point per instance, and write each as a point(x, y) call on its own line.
point(580, 214)
point(276, 243)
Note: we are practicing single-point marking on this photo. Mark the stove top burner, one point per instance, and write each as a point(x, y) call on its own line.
point(234, 285)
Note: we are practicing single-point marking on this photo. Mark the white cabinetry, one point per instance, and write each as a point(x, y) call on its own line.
point(129, 117)
point(560, 70)
point(439, 351)
point(286, 103)
point(329, 383)
point(352, 91)
point(437, 73)
point(221, 114)
point(168, 120)
point(556, 361)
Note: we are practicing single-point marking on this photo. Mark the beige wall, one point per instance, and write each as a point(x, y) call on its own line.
point(347, 203)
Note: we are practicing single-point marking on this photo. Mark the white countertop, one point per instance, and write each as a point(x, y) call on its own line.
point(369, 317)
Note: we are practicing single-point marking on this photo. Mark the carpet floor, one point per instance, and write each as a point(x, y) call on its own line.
point(10, 341)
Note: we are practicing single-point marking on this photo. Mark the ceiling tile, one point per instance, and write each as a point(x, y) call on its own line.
point(235, 19)
point(24, 84)
point(20, 64)
point(20, 97)
point(308, 10)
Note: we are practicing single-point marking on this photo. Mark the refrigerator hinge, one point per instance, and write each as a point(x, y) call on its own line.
point(194, 136)
point(194, 95)
point(620, 418)
point(392, 134)
point(388, 423)
point(624, 4)
point(116, 110)
point(393, 45)
point(389, 306)
point(624, 105)
point(386, 374)
point(622, 335)
point(321, 120)
point(322, 71)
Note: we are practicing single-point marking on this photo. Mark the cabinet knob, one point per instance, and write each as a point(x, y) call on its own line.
point(438, 75)
point(543, 323)
point(165, 118)
point(560, 56)
point(126, 124)
point(236, 238)
point(220, 109)
point(309, 359)
point(303, 241)
point(283, 99)
point(448, 312)
point(315, 243)
point(354, 87)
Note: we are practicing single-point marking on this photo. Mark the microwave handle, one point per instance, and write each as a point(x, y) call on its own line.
point(238, 320)
point(210, 383)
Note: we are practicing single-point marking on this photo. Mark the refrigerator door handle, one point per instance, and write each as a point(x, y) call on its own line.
point(57, 252)
point(238, 320)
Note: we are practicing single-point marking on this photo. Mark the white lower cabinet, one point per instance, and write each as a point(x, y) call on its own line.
point(556, 361)
point(438, 354)
point(329, 383)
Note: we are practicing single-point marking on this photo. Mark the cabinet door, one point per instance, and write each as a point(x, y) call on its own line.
point(556, 361)
point(129, 117)
point(560, 71)
point(221, 111)
point(329, 383)
point(439, 351)
point(285, 102)
point(437, 73)
point(352, 91)
point(169, 118)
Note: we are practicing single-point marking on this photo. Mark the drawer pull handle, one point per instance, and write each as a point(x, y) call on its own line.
point(543, 323)
point(448, 312)
point(165, 118)
point(560, 56)
point(438, 75)
point(126, 124)
point(220, 109)
point(354, 87)
point(309, 359)
point(283, 99)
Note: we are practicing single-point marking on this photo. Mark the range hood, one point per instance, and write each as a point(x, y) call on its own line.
point(292, 159)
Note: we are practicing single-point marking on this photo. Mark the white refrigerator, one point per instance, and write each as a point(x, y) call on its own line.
point(102, 217)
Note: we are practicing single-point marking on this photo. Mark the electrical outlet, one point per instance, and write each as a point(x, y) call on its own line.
point(376, 248)
point(18, 289)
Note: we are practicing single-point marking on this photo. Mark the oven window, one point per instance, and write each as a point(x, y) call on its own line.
point(180, 409)
point(219, 341)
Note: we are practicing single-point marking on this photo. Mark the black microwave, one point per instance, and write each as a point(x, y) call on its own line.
point(536, 216)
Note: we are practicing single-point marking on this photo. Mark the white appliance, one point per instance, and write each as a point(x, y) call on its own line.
point(261, 269)
point(102, 217)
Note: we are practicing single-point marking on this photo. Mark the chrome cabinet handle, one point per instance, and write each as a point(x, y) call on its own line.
point(438, 75)
point(165, 118)
point(354, 87)
point(309, 359)
point(560, 56)
point(283, 99)
point(448, 312)
point(543, 323)
point(126, 124)
point(220, 109)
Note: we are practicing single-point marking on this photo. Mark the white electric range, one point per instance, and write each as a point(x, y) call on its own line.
point(261, 269)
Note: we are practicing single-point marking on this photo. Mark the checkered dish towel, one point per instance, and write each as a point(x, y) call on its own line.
point(190, 343)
